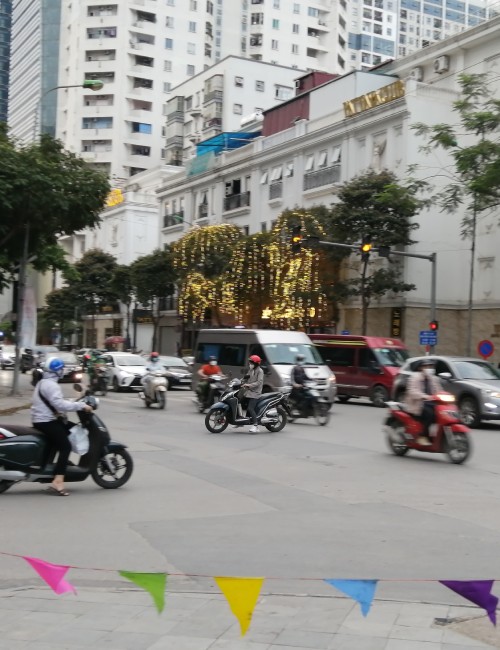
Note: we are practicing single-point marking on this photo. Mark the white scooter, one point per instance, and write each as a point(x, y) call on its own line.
point(155, 389)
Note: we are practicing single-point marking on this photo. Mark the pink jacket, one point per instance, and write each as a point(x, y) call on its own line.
point(415, 396)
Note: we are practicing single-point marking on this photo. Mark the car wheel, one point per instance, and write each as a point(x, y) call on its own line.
point(116, 387)
point(343, 399)
point(469, 411)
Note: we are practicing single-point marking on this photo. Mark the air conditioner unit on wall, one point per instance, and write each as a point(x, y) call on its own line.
point(442, 64)
point(417, 74)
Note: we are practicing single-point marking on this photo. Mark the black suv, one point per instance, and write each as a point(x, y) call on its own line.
point(474, 382)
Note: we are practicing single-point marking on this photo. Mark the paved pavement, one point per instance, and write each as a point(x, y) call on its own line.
point(12, 404)
point(117, 618)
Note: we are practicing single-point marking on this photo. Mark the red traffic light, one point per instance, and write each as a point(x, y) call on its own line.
point(434, 326)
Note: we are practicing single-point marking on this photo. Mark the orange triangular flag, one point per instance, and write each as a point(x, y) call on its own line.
point(242, 595)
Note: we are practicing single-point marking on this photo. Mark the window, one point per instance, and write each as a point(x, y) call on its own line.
point(238, 81)
point(336, 155)
point(295, 28)
point(167, 66)
point(190, 70)
point(260, 85)
point(276, 4)
point(237, 109)
point(193, 5)
point(289, 169)
point(167, 86)
point(140, 127)
point(309, 163)
point(263, 226)
point(264, 177)
point(337, 356)
point(312, 11)
point(169, 44)
point(295, 48)
point(274, 44)
point(171, 3)
point(97, 123)
point(277, 174)
point(257, 19)
point(192, 26)
point(276, 23)
point(169, 22)
point(191, 48)
point(322, 160)
point(296, 8)
point(283, 92)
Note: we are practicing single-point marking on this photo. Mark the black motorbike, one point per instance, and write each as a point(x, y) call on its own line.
point(26, 456)
point(99, 381)
point(272, 410)
point(214, 391)
point(312, 404)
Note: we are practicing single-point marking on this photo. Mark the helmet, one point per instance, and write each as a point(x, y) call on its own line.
point(154, 355)
point(56, 366)
point(300, 357)
point(212, 357)
point(255, 358)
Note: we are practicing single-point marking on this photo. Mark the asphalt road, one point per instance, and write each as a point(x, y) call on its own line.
point(309, 501)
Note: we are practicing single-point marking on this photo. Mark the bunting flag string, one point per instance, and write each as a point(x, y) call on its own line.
point(242, 593)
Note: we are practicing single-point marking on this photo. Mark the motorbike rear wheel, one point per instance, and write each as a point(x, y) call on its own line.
point(396, 438)
point(321, 413)
point(216, 421)
point(122, 467)
point(161, 401)
point(460, 450)
point(281, 423)
point(5, 485)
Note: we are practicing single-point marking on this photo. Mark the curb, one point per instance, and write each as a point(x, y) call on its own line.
point(14, 409)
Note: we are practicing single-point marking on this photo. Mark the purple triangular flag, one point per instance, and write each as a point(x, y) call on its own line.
point(478, 592)
point(362, 591)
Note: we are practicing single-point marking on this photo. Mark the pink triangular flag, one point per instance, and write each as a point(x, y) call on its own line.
point(52, 574)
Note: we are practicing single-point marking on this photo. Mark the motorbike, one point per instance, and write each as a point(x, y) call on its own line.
point(448, 434)
point(214, 392)
point(99, 381)
point(26, 456)
point(313, 404)
point(272, 410)
point(155, 390)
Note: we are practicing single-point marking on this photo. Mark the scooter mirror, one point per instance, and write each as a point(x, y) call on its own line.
point(78, 388)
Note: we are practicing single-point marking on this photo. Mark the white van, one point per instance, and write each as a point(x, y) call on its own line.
point(276, 348)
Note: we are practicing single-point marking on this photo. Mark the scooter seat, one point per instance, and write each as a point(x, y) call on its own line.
point(20, 430)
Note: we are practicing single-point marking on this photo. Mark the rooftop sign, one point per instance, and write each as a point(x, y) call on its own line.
point(378, 97)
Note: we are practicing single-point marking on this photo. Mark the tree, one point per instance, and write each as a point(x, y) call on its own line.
point(60, 311)
point(474, 147)
point(45, 192)
point(153, 278)
point(377, 207)
point(122, 287)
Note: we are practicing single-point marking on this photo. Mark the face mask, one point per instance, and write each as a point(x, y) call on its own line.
point(251, 364)
point(429, 371)
point(213, 363)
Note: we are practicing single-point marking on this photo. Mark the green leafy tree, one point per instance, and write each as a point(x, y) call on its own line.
point(123, 288)
point(376, 206)
point(153, 278)
point(474, 147)
point(60, 311)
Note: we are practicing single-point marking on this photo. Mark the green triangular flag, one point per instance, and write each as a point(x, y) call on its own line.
point(153, 583)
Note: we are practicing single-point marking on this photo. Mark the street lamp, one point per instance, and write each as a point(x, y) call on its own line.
point(90, 84)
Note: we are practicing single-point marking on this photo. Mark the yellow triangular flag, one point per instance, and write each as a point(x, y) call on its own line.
point(242, 595)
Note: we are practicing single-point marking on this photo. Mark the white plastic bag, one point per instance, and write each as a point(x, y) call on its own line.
point(79, 439)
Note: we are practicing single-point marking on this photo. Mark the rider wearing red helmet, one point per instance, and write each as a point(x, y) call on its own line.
point(253, 388)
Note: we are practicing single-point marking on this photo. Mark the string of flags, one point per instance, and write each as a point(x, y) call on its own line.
point(242, 593)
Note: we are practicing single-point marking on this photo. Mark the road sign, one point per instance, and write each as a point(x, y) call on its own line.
point(428, 338)
point(344, 332)
point(485, 348)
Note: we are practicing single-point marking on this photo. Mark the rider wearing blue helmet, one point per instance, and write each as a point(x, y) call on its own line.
point(46, 413)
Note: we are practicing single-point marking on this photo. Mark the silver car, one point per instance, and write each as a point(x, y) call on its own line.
point(125, 370)
point(7, 356)
point(474, 382)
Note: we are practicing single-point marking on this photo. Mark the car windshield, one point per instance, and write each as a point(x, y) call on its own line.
point(67, 357)
point(173, 362)
point(285, 353)
point(475, 370)
point(130, 361)
point(391, 356)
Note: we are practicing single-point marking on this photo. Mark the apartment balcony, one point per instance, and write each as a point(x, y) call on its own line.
point(322, 177)
point(175, 116)
point(97, 156)
point(139, 115)
point(142, 48)
point(96, 109)
point(146, 25)
point(136, 160)
point(175, 141)
point(237, 201)
point(175, 219)
point(276, 190)
point(203, 211)
point(213, 96)
point(141, 92)
point(140, 139)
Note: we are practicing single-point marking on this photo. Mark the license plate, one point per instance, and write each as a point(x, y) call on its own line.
point(185, 381)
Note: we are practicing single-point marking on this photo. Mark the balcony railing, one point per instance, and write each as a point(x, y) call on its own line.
point(235, 201)
point(321, 177)
point(202, 210)
point(216, 95)
point(173, 219)
point(276, 190)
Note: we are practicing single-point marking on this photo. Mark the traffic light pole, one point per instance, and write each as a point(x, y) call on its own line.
point(432, 258)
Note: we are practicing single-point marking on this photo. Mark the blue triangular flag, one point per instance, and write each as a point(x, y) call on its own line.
point(362, 591)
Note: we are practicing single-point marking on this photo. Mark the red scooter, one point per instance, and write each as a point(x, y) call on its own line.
point(448, 434)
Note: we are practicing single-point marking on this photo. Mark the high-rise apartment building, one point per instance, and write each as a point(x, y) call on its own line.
point(5, 27)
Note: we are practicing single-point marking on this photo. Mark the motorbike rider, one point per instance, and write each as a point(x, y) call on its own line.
point(153, 366)
point(205, 372)
point(299, 378)
point(422, 385)
point(27, 359)
point(47, 411)
point(252, 388)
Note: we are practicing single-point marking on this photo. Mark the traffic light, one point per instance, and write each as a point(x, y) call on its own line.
point(297, 239)
point(365, 248)
point(434, 325)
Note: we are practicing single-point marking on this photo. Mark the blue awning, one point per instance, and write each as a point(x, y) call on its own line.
point(225, 141)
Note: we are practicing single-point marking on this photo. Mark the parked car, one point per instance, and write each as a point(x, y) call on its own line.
point(7, 356)
point(177, 371)
point(73, 371)
point(125, 370)
point(474, 383)
point(40, 352)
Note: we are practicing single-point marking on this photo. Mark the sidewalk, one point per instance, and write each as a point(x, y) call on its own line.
point(33, 618)
point(10, 405)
